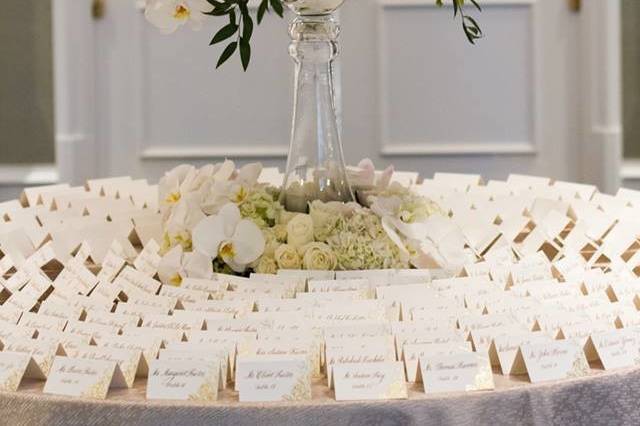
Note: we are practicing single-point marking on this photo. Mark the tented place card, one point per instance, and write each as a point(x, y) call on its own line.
point(193, 380)
point(42, 352)
point(616, 348)
point(126, 360)
point(369, 381)
point(80, 377)
point(554, 360)
point(12, 368)
point(267, 378)
point(456, 372)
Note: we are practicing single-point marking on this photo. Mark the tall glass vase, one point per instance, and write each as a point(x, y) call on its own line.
point(315, 165)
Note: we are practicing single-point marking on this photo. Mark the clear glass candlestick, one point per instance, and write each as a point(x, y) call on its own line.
point(315, 165)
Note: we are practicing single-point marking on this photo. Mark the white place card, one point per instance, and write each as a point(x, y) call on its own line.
point(42, 352)
point(456, 372)
point(139, 280)
point(148, 345)
point(187, 380)
point(126, 361)
point(555, 360)
point(412, 353)
point(616, 348)
point(42, 322)
point(112, 319)
point(148, 260)
point(370, 381)
point(80, 377)
point(13, 366)
point(266, 378)
point(175, 322)
point(504, 347)
point(112, 264)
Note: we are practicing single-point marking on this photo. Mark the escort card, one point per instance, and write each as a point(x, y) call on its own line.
point(112, 264)
point(148, 260)
point(140, 280)
point(112, 319)
point(370, 381)
point(239, 308)
point(456, 372)
point(357, 351)
point(361, 285)
point(286, 347)
point(183, 294)
point(96, 331)
point(207, 286)
point(361, 310)
point(66, 340)
point(202, 352)
point(616, 348)
point(127, 361)
point(42, 352)
point(273, 378)
point(555, 360)
point(355, 330)
point(176, 322)
point(167, 335)
point(42, 322)
point(412, 353)
point(149, 346)
point(13, 366)
point(504, 348)
point(80, 377)
point(192, 380)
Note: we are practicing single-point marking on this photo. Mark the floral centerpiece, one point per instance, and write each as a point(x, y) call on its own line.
point(222, 219)
point(222, 216)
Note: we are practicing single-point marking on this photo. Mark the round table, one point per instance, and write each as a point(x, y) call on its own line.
point(602, 398)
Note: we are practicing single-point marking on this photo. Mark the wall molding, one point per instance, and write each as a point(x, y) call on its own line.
point(217, 151)
point(28, 174)
point(399, 149)
point(630, 170)
point(389, 147)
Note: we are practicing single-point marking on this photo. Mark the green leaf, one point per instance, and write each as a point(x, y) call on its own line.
point(224, 33)
point(262, 9)
point(245, 52)
point(277, 7)
point(247, 27)
point(226, 54)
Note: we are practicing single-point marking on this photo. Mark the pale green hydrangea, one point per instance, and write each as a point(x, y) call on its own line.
point(360, 242)
point(260, 206)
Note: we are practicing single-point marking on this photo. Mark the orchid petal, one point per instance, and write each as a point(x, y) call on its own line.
point(197, 265)
point(207, 235)
point(249, 173)
point(225, 171)
point(388, 227)
point(230, 216)
point(248, 242)
point(170, 264)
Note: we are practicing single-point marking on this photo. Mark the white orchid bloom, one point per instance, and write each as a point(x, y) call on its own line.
point(177, 265)
point(237, 241)
point(169, 15)
point(180, 221)
point(233, 189)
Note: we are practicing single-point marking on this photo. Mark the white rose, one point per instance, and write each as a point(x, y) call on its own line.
point(287, 257)
point(300, 230)
point(319, 256)
point(267, 265)
point(280, 232)
point(285, 217)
